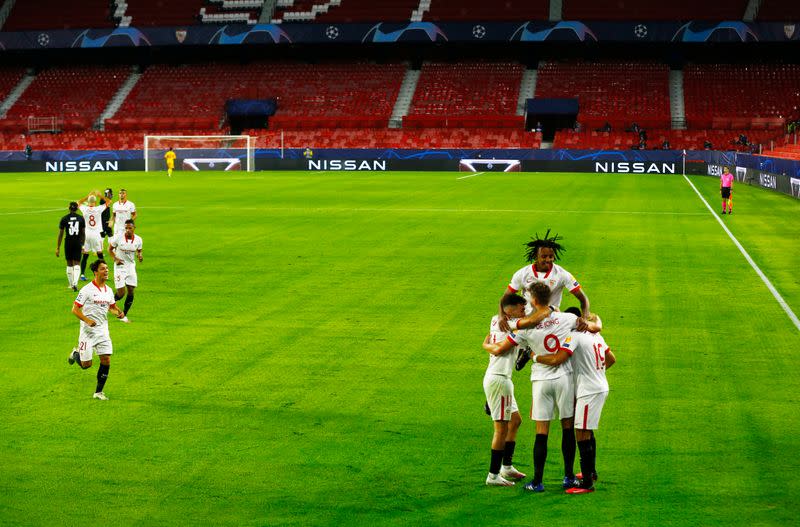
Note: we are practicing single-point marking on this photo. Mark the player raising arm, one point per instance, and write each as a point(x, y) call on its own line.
point(543, 253)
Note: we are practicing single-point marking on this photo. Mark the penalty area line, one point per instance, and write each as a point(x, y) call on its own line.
point(30, 212)
point(753, 264)
point(471, 175)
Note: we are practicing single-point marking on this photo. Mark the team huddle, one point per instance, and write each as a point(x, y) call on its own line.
point(569, 358)
point(83, 235)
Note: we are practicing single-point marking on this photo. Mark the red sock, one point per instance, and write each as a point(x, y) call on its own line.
point(724, 205)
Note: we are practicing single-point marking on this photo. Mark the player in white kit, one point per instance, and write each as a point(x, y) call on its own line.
point(590, 358)
point(552, 386)
point(125, 248)
point(542, 253)
point(93, 216)
point(122, 211)
point(94, 301)
point(499, 390)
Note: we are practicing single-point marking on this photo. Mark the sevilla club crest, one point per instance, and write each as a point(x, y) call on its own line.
point(180, 35)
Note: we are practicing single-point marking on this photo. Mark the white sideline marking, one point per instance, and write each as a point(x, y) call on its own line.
point(759, 272)
point(30, 212)
point(471, 175)
point(469, 211)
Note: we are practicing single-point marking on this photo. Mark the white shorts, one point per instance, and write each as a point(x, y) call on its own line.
point(125, 275)
point(93, 242)
point(499, 392)
point(97, 341)
point(551, 394)
point(588, 409)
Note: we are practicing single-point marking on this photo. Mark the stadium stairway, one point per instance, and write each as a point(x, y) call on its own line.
point(118, 99)
point(16, 93)
point(423, 7)
point(404, 98)
point(556, 8)
point(527, 88)
point(677, 107)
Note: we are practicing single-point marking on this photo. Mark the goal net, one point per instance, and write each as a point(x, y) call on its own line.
point(200, 152)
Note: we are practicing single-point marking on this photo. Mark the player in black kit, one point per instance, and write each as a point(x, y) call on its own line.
point(75, 227)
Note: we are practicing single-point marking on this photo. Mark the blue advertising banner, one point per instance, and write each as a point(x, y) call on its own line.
point(385, 32)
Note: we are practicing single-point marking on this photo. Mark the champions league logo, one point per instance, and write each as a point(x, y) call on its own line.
point(720, 32)
point(43, 39)
point(640, 31)
point(257, 34)
point(121, 36)
point(414, 31)
point(332, 32)
point(528, 32)
point(478, 31)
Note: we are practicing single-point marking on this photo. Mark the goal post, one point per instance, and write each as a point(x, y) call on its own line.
point(200, 152)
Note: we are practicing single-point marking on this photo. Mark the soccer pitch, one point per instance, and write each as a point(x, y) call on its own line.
point(305, 349)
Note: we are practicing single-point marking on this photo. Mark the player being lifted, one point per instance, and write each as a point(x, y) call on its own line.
point(74, 226)
point(93, 216)
point(169, 157)
point(499, 390)
point(125, 248)
point(543, 253)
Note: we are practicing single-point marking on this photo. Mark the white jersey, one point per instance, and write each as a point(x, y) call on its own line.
point(95, 301)
point(126, 248)
point(501, 364)
point(93, 217)
point(557, 279)
point(122, 213)
point(588, 362)
point(545, 338)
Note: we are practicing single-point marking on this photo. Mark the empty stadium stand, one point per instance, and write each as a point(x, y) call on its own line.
point(755, 96)
point(344, 10)
point(466, 94)
point(780, 11)
point(76, 96)
point(648, 10)
point(418, 138)
point(619, 93)
point(231, 11)
point(308, 96)
point(9, 78)
point(57, 14)
point(164, 12)
point(678, 139)
point(477, 10)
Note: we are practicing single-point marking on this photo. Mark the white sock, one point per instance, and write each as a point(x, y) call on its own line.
point(76, 274)
point(69, 275)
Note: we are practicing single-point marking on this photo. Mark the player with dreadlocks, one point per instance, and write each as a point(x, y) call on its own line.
point(543, 252)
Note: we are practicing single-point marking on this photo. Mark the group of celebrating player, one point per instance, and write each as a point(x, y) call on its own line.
point(84, 234)
point(569, 358)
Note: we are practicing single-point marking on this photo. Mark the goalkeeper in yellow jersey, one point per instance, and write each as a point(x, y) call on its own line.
point(170, 159)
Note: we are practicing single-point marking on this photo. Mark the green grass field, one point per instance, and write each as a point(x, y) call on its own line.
point(305, 350)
